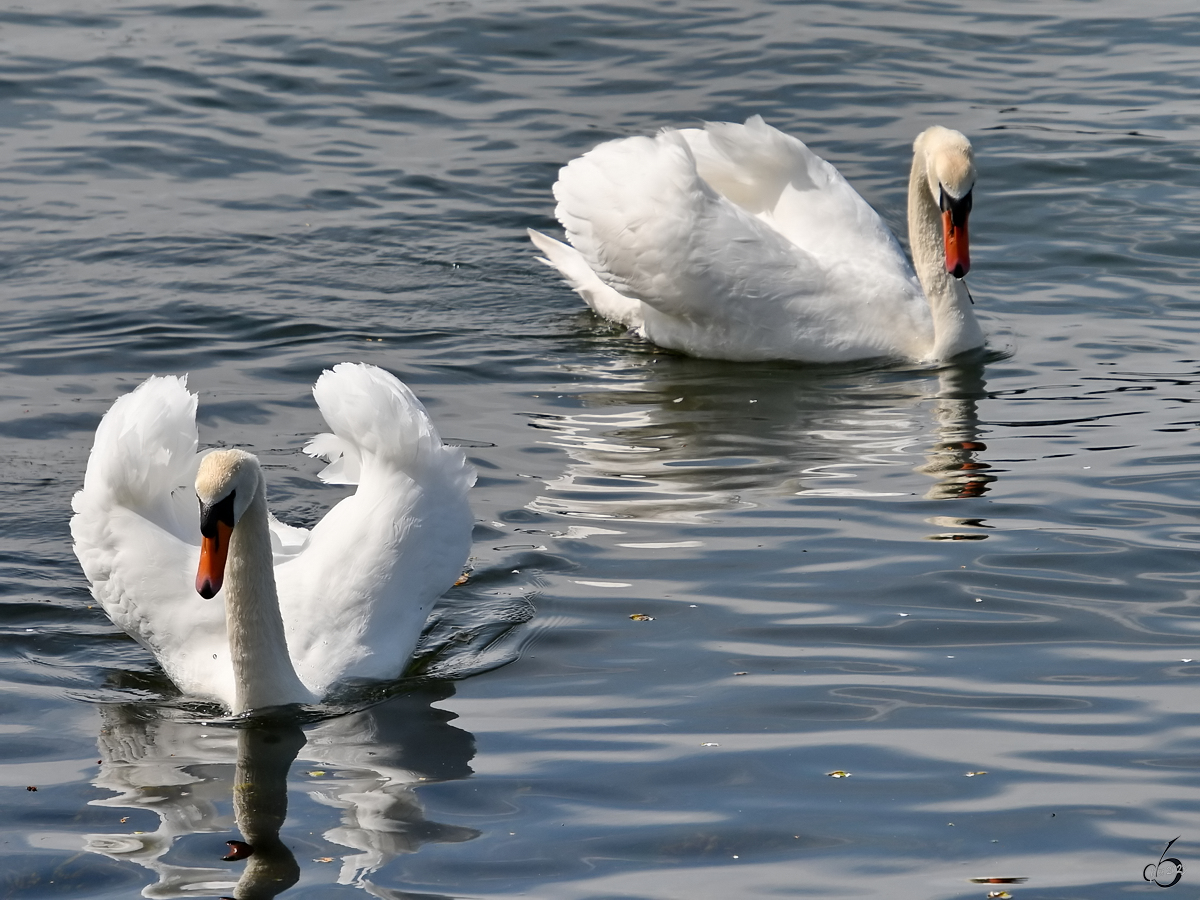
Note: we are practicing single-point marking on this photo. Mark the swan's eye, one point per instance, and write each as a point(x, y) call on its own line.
point(221, 511)
point(959, 208)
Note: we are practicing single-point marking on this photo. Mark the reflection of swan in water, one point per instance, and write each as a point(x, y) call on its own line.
point(205, 779)
point(680, 439)
point(954, 460)
point(260, 807)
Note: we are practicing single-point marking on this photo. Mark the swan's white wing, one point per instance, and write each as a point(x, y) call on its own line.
point(136, 533)
point(356, 598)
point(742, 244)
point(776, 178)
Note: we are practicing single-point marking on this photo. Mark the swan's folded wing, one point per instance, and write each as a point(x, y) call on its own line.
point(776, 178)
point(652, 228)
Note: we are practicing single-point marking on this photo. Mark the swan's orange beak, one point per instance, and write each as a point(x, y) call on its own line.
point(213, 551)
point(958, 251)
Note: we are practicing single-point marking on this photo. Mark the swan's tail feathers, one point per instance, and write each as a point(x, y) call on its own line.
point(145, 449)
point(582, 279)
point(378, 423)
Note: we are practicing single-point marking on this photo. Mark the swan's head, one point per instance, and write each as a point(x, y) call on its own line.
point(950, 173)
point(225, 484)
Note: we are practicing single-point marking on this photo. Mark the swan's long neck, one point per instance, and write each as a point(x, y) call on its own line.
point(955, 328)
point(263, 671)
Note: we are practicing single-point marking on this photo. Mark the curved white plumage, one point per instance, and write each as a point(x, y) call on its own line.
point(354, 592)
point(737, 242)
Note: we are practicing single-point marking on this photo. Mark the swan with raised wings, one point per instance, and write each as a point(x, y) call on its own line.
point(240, 608)
point(738, 242)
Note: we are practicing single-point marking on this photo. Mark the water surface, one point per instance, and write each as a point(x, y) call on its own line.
point(915, 577)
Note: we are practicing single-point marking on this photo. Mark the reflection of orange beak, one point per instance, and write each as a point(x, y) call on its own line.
point(958, 252)
point(213, 551)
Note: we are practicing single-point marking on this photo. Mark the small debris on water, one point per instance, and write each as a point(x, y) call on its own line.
point(642, 617)
point(973, 774)
point(838, 773)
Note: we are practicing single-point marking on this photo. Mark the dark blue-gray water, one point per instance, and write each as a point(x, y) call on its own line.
point(912, 576)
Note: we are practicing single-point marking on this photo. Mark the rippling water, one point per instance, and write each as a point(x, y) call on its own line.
point(910, 576)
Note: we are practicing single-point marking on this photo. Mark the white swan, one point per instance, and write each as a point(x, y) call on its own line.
point(300, 611)
point(738, 242)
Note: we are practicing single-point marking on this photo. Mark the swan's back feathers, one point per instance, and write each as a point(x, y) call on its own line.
point(775, 177)
point(378, 423)
point(751, 164)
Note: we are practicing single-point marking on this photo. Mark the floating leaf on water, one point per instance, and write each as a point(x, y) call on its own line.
point(998, 895)
point(315, 773)
point(642, 617)
point(463, 579)
point(973, 774)
point(323, 859)
point(838, 773)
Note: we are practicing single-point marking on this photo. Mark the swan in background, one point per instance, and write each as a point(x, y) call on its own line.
point(240, 608)
point(738, 242)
